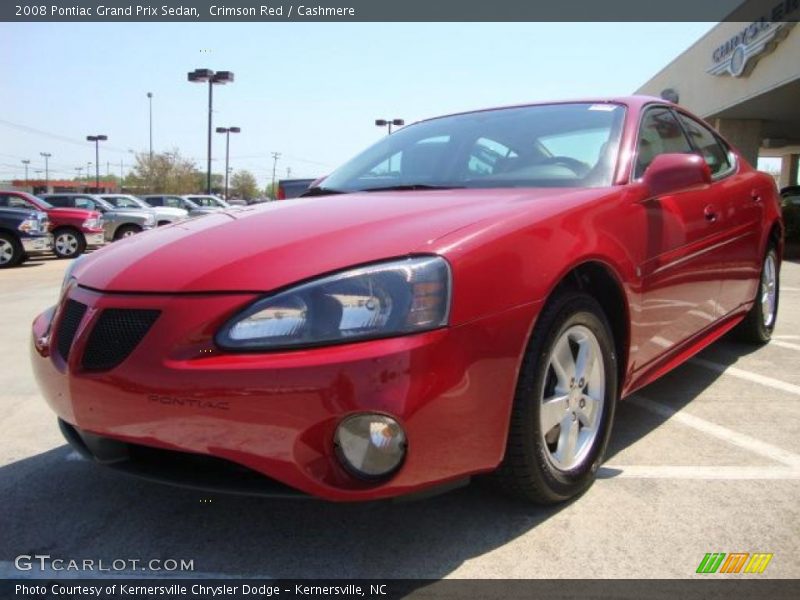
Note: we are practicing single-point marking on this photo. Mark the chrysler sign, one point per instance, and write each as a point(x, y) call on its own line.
point(738, 55)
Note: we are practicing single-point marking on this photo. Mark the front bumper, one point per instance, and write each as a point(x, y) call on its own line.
point(37, 244)
point(276, 413)
point(95, 239)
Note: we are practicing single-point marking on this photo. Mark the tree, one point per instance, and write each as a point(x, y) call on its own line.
point(166, 173)
point(243, 185)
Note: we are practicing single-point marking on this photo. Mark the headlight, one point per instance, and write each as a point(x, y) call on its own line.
point(29, 225)
point(381, 300)
point(93, 223)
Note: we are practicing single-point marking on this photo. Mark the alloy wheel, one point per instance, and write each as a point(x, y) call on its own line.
point(6, 252)
point(769, 289)
point(573, 397)
point(66, 244)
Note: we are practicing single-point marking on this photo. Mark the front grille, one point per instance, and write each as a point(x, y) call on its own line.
point(117, 332)
point(72, 315)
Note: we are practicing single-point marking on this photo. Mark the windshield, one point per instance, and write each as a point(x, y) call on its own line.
point(557, 145)
point(43, 203)
point(104, 204)
point(208, 201)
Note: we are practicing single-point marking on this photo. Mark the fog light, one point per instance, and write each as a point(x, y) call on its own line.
point(370, 446)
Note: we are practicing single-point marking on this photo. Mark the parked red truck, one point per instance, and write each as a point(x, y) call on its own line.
point(74, 229)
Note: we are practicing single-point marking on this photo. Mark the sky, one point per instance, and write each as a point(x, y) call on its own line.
point(310, 91)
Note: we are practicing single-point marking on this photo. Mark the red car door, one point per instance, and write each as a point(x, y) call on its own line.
point(738, 192)
point(681, 263)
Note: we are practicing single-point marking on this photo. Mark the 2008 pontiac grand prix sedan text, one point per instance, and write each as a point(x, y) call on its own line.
point(471, 295)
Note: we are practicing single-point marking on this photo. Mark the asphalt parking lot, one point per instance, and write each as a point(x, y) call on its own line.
point(705, 460)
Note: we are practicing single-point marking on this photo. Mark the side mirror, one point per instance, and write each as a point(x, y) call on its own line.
point(670, 173)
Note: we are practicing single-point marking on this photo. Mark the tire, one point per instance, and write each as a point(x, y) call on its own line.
point(11, 251)
point(758, 325)
point(537, 467)
point(127, 231)
point(68, 243)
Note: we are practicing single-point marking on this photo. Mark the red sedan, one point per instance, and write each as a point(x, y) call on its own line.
point(471, 295)
point(74, 229)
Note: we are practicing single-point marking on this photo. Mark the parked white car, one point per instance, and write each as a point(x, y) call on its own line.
point(164, 214)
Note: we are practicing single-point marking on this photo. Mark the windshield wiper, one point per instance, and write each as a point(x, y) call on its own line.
point(320, 191)
point(410, 187)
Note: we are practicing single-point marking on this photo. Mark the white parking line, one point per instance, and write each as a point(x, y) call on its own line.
point(782, 344)
point(786, 337)
point(722, 433)
point(747, 375)
point(785, 288)
point(688, 472)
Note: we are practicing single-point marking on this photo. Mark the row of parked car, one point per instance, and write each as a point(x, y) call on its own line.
point(69, 224)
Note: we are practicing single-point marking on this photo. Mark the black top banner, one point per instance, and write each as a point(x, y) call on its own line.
point(399, 10)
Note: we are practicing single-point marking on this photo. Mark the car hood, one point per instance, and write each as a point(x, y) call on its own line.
point(77, 213)
point(130, 212)
point(264, 247)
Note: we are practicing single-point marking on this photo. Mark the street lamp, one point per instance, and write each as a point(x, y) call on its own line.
point(219, 78)
point(150, 99)
point(275, 157)
point(227, 131)
point(96, 139)
point(389, 122)
point(46, 156)
point(26, 163)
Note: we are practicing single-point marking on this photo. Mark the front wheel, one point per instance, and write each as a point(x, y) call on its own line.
point(564, 404)
point(11, 251)
point(758, 325)
point(127, 231)
point(68, 243)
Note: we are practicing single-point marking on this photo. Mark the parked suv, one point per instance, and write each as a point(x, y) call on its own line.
point(164, 214)
point(74, 229)
point(172, 201)
point(117, 222)
point(23, 232)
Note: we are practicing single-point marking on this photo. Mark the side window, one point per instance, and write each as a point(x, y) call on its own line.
point(714, 153)
point(84, 203)
point(660, 133)
point(17, 202)
point(170, 202)
point(58, 201)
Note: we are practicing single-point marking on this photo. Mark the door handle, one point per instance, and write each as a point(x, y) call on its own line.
point(710, 213)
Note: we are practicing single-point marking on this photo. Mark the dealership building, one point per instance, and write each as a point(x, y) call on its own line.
point(744, 78)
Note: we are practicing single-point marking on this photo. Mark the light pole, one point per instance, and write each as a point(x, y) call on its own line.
point(220, 78)
point(275, 157)
point(96, 139)
point(26, 163)
point(389, 122)
point(150, 99)
point(46, 156)
point(228, 131)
